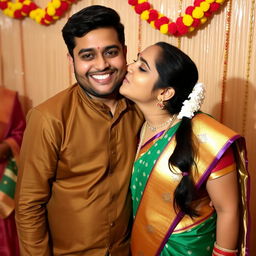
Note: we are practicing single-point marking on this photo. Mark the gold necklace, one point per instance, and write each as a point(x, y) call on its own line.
point(154, 128)
point(143, 130)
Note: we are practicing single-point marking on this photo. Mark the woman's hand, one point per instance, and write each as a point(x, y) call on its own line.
point(5, 151)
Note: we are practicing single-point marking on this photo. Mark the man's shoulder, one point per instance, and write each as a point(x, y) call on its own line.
point(58, 102)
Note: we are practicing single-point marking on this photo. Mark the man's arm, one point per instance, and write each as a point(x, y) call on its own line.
point(38, 161)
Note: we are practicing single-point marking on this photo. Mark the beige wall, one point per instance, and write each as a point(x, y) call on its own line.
point(33, 61)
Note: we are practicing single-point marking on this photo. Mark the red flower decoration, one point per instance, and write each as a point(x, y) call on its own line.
point(194, 16)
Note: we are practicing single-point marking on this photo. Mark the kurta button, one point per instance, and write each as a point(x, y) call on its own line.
point(112, 224)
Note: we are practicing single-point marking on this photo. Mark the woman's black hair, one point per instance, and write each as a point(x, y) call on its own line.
point(178, 71)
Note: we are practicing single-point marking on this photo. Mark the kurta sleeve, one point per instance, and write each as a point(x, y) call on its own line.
point(38, 161)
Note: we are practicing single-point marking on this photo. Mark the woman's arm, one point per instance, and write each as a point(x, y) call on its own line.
point(223, 192)
point(16, 129)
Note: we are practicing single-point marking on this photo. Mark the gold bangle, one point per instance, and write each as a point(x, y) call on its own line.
point(224, 249)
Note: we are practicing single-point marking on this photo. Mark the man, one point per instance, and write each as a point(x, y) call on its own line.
point(73, 187)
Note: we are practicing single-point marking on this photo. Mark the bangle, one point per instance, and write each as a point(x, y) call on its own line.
point(219, 251)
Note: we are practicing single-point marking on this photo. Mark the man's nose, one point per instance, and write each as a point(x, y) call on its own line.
point(101, 63)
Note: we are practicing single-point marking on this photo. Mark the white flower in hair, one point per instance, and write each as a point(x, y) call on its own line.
point(194, 102)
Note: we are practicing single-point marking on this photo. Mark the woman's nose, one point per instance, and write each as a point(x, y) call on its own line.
point(129, 68)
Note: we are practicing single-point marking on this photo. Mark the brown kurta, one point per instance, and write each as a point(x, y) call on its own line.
point(73, 193)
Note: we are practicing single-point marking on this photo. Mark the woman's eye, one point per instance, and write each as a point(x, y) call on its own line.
point(142, 69)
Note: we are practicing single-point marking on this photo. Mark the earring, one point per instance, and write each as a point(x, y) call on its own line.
point(160, 104)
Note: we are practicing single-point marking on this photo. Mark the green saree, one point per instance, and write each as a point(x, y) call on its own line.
point(158, 229)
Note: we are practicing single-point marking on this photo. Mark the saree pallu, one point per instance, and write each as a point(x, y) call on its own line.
point(157, 229)
point(12, 125)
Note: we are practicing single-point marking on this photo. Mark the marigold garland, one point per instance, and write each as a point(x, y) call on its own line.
point(194, 16)
point(23, 8)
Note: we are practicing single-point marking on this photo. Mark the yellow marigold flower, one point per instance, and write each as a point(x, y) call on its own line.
point(27, 2)
point(17, 6)
point(51, 10)
point(56, 3)
point(38, 19)
point(209, 1)
point(187, 20)
point(141, 1)
point(198, 13)
point(203, 20)
point(220, 1)
point(49, 4)
point(205, 6)
point(8, 12)
point(32, 14)
point(152, 24)
point(40, 12)
point(145, 15)
point(190, 29)
point(164, 29)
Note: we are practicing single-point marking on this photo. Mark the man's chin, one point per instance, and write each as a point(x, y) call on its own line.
point(104, 95)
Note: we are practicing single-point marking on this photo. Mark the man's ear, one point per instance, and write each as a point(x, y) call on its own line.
point(71, 61)
point(166, 94)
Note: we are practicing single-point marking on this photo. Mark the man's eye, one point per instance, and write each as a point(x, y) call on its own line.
point(87, 56)
point(111, 53)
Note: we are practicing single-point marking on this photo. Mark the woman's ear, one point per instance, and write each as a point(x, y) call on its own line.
point(166, 93)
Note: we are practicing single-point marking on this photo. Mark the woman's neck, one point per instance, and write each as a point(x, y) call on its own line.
point(153, 115)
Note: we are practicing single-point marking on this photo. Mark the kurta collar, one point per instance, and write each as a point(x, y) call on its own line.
point(100, 106)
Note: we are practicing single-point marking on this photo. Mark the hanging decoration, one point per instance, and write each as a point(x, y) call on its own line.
point(226, 59)
point(195, 15)
point(27, 8)
point(248, 66)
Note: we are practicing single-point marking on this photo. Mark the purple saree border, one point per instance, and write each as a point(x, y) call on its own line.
point(180, 215)
point(153, 138)
point(217, 158)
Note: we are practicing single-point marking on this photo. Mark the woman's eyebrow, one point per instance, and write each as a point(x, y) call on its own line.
point(143, 60)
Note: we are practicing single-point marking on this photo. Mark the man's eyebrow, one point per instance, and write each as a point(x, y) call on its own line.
point(104, 49)
point(85, 50)
point(111, 47)
point(143, 60)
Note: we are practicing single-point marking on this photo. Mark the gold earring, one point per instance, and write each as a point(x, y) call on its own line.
point(160, 104)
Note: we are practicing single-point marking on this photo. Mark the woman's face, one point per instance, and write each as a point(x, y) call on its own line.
point(141, 77)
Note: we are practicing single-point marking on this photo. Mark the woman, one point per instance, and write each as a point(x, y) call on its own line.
point(12, 125)
point(184, 185)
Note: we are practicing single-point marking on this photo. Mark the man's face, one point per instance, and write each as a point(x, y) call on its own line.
point(99, 62)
